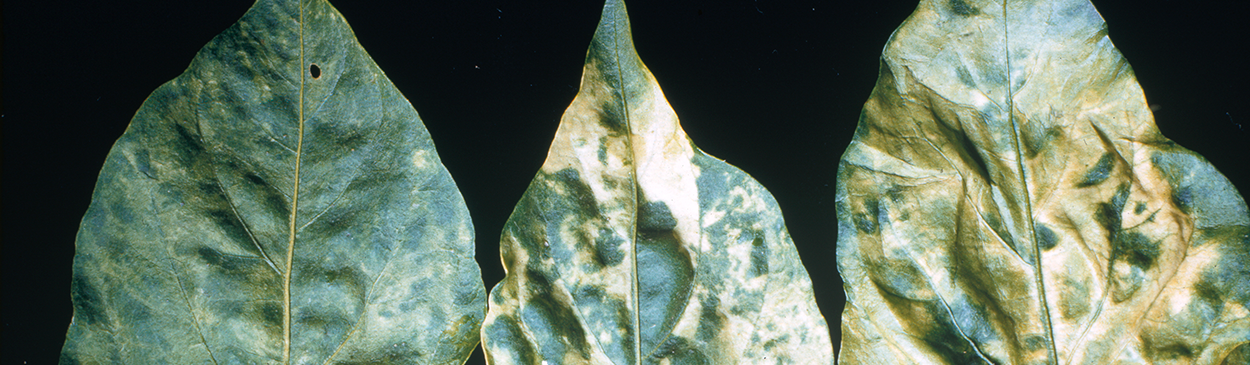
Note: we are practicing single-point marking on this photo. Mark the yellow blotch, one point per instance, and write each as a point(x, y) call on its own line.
point(1234, 310)
point(1178, 302)
point(420, 159)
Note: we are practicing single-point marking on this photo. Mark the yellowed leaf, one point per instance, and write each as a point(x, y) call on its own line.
point(632, 246)
point(1008, 199)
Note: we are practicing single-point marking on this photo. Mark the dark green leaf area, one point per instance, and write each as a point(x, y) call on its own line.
point(465, 295)
point(678, 350)
point(964, 76)
point(1039, 138)
point(664, 273)
point(529, 233)
point(89, 306)
point(783, 358)
point(225, 220)
point(1226, 281)
point(1134, 248)
point(1046, 237)
point(1199, 189)
point(897, 195)
point(269, 198)
point(974, 158)
point(1183, 198)
point(933, 324)
point(1099, 173)
point(961, 8)
point(238, 269)
point(559, 200)
point(602, 153)
point(759, 253)
point(576, 199)
point(867, 220)
point(1108, 214)
point(600, 310)
point(969, 319)
point(610, 115)
point(944, 340)
point(664, 283)
point(710, 321)
point(608, 248)
point(655, 217)
point(504, 330)
point(1164, 348)
point(554, 325)
point(1132, 253)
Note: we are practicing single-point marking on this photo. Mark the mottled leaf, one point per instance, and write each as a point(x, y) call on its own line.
point(279, 202)
point(1008, 199)
point(632, 246)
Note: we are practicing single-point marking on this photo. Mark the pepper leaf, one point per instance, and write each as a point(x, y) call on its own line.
point(1008, 199)
point(632, 246)
point(278, 202)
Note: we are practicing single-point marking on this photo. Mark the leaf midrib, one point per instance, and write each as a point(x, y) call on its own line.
point(290, 247)
point(624, 105)
point(1038, 275)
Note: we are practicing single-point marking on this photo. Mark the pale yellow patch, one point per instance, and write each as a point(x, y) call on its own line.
point(978, 99)
point(741, 253)
point(1234, 310)
point(662, 161)
point(711, 217)
point(420, 159)
point(1178, 301)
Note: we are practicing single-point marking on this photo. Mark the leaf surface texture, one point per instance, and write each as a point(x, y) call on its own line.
point(632, 246)
point(1008, 199)
point(279, 202)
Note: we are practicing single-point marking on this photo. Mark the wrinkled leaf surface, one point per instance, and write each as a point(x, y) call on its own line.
point(1007, 199)
point(279, 202)
point(632, 246)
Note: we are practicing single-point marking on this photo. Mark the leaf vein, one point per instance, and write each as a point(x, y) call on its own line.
point(368, 300)
point(195, 319)
point(235, 211)
point(323, 211)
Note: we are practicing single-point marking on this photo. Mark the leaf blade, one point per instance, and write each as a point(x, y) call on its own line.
point(985, 159)
point(266, 264)
point(629, 241)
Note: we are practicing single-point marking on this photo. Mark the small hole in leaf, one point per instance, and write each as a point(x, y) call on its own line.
point(314, 71)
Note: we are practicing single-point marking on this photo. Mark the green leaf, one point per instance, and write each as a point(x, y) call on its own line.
point(633, 246)
point(1008, 199)
point(279, 202)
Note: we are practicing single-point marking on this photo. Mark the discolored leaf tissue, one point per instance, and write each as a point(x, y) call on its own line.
point(1008, 199)
point(278, 203)
point(632, 246)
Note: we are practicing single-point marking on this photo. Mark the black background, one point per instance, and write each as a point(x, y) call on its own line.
point(773, 87)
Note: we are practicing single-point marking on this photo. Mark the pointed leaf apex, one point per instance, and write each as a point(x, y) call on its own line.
point(613, 31)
